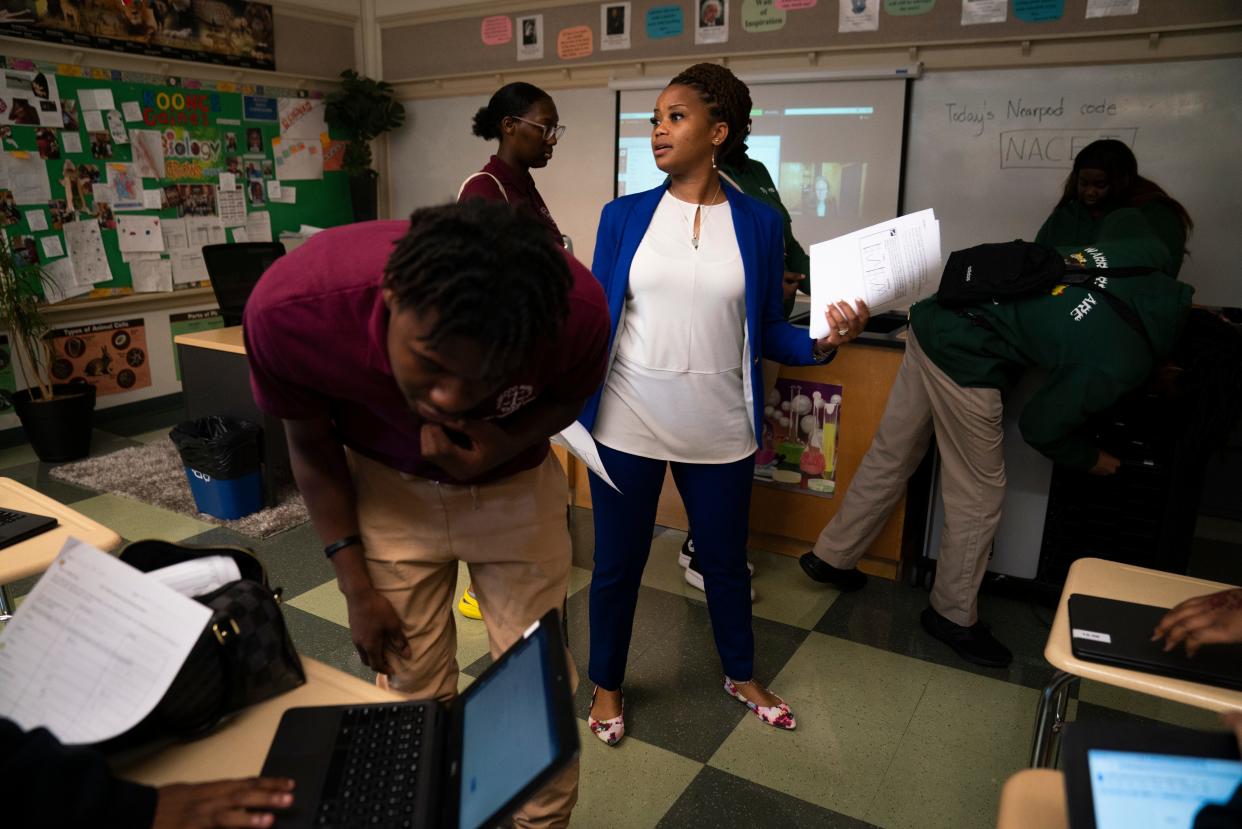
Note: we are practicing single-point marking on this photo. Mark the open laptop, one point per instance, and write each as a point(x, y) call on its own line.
point(16, 526)
point(466, 764)
point(1119, 633)
point(1122, 776)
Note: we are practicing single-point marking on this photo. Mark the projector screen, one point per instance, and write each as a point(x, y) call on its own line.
point(832, 147)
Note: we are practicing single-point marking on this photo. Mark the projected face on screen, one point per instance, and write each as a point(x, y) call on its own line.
point(832, 148)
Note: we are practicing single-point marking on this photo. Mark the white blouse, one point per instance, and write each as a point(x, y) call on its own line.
point(675, 390)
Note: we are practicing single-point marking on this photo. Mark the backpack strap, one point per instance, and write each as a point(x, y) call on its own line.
point(473, 176)
point(1119, 306)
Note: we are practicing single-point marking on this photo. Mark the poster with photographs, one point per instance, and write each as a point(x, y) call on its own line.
point(111, 356)
point(231, 32)
point(614, 22)
point(191, 199)
point(9, 214)
point(30, 99)
point(530, 37)
point(712, 23)
point(801, 420)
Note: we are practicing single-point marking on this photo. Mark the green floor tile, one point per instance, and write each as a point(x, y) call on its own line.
point(962, 711)
point(135, 520)
point(853, 704)
point(628, 785)
point(17, 455)
point(932, 786)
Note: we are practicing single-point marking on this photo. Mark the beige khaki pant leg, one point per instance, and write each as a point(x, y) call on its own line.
point(402, 520)
point(970, 439)
point(899, 445)
point(513, 536)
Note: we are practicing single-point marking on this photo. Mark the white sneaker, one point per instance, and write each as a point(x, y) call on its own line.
point(695, 579)
point(687, 553)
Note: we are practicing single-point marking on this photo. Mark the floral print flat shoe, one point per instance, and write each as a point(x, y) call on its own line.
point(610, 731)
point(777, 716)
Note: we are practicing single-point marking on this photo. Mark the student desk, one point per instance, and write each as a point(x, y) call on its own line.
point(239, 747)
point(26, 558)
point(215, 380)
point(1111, 580)
point(1033, 799)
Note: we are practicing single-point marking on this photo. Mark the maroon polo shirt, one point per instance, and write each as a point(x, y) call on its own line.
point(316, 328)
point(519, 187)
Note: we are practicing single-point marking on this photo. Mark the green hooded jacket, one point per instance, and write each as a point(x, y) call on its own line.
point(1072, 224)
point(1091, 355)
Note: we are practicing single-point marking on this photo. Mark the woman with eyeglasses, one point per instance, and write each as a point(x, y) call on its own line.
point(693, 274)
point(524, 119)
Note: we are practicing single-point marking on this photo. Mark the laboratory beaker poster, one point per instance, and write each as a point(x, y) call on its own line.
point(800, 437)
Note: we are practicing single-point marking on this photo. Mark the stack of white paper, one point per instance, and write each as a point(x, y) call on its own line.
point(889, 265)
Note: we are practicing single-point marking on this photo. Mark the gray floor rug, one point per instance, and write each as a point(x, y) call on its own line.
point(153, 474)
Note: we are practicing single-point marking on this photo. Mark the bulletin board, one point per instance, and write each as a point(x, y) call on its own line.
point(202, 130)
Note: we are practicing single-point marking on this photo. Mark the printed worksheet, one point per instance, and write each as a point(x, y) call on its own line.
point(94, 647)
point(85, 244)
point(889, 265)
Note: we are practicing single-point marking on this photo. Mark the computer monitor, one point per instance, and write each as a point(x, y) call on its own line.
point(235, 270)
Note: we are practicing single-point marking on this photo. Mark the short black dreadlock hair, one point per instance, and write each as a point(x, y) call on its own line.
point(490, 272)
point(727, 99)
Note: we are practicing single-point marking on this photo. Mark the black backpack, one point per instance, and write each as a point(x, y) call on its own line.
point(1006, 271)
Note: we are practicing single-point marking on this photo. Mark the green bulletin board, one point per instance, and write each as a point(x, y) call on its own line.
point(198, 116)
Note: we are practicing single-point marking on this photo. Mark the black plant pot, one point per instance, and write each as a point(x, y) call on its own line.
point(58, 429)
point(364, 195)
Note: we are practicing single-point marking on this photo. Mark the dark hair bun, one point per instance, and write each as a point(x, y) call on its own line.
point(511, 99)
point(485, 126)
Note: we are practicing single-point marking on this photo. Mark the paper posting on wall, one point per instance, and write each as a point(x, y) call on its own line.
point(204, 230)
point(762, 16)
point(259, 226)
point(30, 99)
point(302, 117)
point(1111, 8)
point(188, 266)
point(298, 159)
point(712, 23)
point(62, 284)
point(983, 11)
point(152, 275)
point(97, 644)
point(126, 186)
point(93, 120)
point(133, 112)
point(228, 181)
point(129, 257)
point(116, 127)
point(139, 233)
point(530, 37)
point(36, 220)
point(273, 190)
point(85, 245)
point(148, 152)
point(614, 23)
point(231, 206)
point(855, 16)
point(239, 235)
point(52, 247)
point(25, 176)
point(288, 195)
point(152, 199)
point(175, 235)
point(72, 141)
point(96, 99)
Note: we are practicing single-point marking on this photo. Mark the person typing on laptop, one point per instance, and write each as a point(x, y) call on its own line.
point(54, 785)
point(419, 368)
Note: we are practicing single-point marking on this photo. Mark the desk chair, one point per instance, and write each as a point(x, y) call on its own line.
point(235, 270)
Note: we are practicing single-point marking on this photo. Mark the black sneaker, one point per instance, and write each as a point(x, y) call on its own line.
point(974, 644)
point(847, 581)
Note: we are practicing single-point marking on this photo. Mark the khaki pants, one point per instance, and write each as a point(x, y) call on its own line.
point(969, 435)
point(512, 534)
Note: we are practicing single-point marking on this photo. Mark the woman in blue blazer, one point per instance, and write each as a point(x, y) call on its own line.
point(692, 271)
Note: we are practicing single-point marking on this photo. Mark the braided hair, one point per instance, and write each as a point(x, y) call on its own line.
point(511, 99)
point(727, 99)
point(490, 273)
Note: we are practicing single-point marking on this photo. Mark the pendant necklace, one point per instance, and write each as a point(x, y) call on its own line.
point(702, 210)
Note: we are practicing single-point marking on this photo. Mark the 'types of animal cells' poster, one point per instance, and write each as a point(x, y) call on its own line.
point(111, 356)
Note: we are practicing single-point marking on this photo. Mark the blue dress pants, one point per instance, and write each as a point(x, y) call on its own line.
point(717, 500)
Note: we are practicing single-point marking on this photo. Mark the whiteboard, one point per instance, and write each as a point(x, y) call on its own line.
point(990, 150)
point(433, 153)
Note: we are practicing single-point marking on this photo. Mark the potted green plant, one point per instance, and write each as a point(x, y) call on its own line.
point(57, 417)
point(362, 109)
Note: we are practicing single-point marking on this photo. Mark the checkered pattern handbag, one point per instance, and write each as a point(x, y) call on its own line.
point(243, 656)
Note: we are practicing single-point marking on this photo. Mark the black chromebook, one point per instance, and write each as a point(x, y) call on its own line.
point(1119, 633)
point(466, 764)
point(16, 526)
